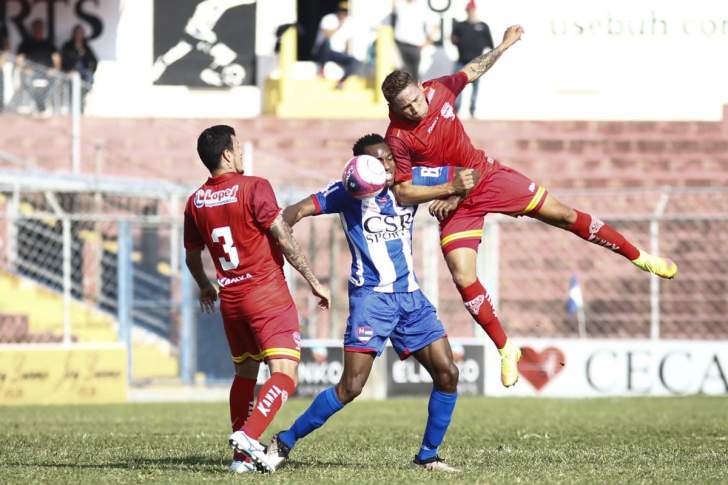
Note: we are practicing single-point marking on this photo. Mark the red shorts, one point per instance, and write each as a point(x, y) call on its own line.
point(261, 324)
point(503, 191)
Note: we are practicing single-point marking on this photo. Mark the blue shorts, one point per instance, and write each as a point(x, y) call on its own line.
point(408, 319)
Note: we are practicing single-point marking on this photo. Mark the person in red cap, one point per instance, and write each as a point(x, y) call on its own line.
point(471, 37)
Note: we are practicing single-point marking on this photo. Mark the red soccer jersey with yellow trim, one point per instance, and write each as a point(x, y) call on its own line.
point(438, 139)
point(231, 215)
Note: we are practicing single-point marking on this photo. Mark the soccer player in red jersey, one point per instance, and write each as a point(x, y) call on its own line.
point(424, 130)
point(238, 219)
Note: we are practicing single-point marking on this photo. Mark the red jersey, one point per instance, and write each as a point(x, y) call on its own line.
point(231, 215)
point(438, 139)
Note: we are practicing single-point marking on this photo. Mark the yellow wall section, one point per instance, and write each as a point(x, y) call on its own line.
point(51, 374)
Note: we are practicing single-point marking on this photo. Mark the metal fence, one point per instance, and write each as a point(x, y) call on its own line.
point(105, 264)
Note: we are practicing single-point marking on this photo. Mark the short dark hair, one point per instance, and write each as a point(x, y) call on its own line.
point(212, 143)
point(366, 141)
point(395, 83)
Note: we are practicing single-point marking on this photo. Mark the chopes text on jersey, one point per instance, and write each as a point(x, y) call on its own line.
point(231, 215)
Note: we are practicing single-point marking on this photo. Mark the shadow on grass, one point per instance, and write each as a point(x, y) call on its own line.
point(138, 463)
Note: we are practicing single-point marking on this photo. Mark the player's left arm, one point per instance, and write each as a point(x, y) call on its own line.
point(478, 66)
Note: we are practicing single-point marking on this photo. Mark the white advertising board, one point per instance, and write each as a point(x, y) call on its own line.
point(593, 368)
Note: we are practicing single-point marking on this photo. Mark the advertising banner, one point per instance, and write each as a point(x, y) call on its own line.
point(409, 378)
point(206, 43)
point(52, 374)
point(593, 368)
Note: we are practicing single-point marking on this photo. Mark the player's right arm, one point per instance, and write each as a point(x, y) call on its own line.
point(303, 208)
point(193, 259)
point(283, 235)
point(478, 66)
point(408, 193)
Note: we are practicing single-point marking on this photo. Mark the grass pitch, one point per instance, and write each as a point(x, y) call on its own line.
point(635, 440)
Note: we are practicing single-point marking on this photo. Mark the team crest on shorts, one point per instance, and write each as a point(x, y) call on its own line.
point(297, 340)
point(364, 334)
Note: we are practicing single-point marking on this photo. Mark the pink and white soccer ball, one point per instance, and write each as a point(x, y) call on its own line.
point(364, 176)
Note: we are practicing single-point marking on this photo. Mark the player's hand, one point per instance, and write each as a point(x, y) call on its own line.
point(323, 295)
point(208, 296)
point(463, 181)
point(441, 209)
point(512, 35)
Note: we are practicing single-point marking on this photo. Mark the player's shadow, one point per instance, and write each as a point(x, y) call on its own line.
point(163, 463)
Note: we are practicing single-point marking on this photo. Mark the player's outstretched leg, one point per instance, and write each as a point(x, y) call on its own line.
point(596, 231)
point(273, 394)
point(437, 359)
point(242, 394)
point(461, 261)
point(357, 367)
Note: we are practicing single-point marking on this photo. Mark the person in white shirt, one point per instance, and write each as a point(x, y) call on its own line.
point(410, 32)
point(333, 42)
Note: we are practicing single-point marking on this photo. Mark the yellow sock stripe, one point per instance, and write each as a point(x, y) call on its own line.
point(247, 355)
point(475, 233)
point(536, 199)
point(282, 351)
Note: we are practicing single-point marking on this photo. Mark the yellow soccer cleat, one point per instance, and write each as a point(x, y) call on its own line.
point(510, 355)
point(662, 267)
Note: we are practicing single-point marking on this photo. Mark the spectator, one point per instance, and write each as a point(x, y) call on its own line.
point(333, 42)
point(410, 32)
point(77, 55)
point(472, 38)
point(4, 47)
point(43, 54)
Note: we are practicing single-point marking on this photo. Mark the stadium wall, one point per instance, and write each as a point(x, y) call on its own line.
point(306, 154)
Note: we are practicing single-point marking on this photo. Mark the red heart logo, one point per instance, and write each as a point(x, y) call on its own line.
point(539, 368)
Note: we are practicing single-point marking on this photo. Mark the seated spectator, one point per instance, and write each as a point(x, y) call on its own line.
point(77, 55)
point(333, 42)
point(43, 54)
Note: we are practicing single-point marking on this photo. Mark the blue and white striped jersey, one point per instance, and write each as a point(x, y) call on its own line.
point(379, 232)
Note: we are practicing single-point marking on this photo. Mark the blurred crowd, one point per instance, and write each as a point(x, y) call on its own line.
point(414, 30)
point(42, 67)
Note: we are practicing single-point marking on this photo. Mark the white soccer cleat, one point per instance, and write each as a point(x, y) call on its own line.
point(277, 452)
point(243, 443)
point(241, 467)
point(434, 464)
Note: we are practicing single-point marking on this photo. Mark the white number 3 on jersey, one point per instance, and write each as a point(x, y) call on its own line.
point(223, 236)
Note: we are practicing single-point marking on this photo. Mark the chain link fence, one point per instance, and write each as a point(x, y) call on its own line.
point(103, 264)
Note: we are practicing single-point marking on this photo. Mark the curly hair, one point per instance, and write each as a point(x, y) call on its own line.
point(394, 83)
point(366, 141)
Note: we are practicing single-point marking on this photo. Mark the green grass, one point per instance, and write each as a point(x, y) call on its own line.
point(635, 440)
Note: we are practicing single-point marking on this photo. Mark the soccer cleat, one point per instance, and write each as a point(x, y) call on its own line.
point(435, 464)
point(510, 355)
point(243, 443)
point(278, 452)
point(657, 265)
point(238, 466)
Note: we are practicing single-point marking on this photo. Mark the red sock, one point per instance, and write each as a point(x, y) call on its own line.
point(598, 232)
point(478, 303)
point(271, 397)
point(242, 393)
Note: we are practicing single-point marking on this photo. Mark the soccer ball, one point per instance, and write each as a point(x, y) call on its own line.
point(364, 176)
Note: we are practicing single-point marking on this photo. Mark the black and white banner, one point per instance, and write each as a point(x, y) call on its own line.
point(409, 378)
point(205, 43)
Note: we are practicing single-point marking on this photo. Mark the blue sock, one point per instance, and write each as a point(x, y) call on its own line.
point(440, 411)
point(321, 409)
